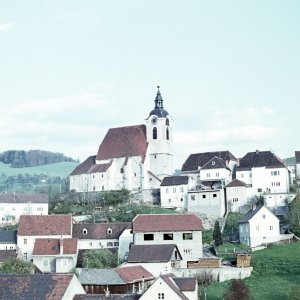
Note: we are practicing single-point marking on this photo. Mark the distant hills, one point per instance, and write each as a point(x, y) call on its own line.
point(32, 158)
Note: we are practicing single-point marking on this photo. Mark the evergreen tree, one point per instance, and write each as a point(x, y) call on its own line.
point(217, 235)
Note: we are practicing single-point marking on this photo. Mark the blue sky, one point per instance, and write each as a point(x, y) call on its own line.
point(229, 73)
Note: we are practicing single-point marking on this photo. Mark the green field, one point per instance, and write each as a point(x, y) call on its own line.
point(276, 275)
point(62, 169)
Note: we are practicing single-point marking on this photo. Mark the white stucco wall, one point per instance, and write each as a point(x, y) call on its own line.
point(73, 289)
point(174, 196)
point(8, 246)
point(215, 174)
point(125, 239)
point(209, 202)
point(97, 244)
point(237, 197)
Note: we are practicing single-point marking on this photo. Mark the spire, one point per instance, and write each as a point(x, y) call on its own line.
point(158, 100)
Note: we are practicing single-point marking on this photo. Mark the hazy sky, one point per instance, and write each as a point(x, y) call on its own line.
point(229, 73)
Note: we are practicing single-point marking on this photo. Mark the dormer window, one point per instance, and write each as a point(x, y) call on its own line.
point(109, 231)
point(84, 231)
point(213, 163)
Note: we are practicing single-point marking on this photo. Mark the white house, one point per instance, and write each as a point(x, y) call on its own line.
point(55, 255)
point(264, 172)
point(173, 191)
point(258, 227)
point(206, 201)
point(156, 259)
point(237, 194)
point(183, 230)
point(132, 157)
point(8, 239)
point(99, 235)
point(216, 166)
point(41, 227)
point(12, 206)
point(170, 287)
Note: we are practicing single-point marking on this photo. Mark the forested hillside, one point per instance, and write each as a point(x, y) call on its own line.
point(32, 158)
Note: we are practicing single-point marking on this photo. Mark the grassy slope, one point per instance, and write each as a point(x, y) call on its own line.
point(275, 276)
point(62, 169)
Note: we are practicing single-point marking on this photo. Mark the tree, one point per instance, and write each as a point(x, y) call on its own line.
point(217, 235)
point(238, 290)
point(101, 258)
point(16, 266)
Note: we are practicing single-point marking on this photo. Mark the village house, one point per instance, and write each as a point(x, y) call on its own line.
point(40, 286)
point(237, 193)
point(173, 191)
point(259, 227)
point(266, 176)
point(157, 259)
point(99, 235)
point(8, 239)
point(134, 157)
point(170, 287)
point(126, 280)
point(183, 230)
point(55, 255)
point(41, 227)
point(12, 206)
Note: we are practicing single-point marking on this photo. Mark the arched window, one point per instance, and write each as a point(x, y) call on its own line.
point(155, 133)
point(84, 231)
point(167, 122)
point(167, 133)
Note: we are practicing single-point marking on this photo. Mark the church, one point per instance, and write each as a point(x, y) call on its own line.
point(135, 157)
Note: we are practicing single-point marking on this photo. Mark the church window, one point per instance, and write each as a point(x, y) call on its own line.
point(167, 133)
point(94, 188)
point(102, 187)
point(155, 133)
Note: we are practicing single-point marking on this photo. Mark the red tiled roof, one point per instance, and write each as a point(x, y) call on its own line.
point(51, 246)
point(134, 273)
point(45, 225)
point(171, 222)
point(123, 142)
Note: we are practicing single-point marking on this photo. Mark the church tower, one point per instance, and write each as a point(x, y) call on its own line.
point(160, 139)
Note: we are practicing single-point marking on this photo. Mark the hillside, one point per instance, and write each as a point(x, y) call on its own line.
point(32, 158)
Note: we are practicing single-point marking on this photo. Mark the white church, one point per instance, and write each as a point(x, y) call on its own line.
point(134, 157)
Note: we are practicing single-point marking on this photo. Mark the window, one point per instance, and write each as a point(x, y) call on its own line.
point(39, 209)
point(122, 170)
point(94, 188)
point(148, 237)
point(169, 200)
point(116, 244)
point(192, 197)
point(109, 231)
point(203, 196)
point(181, 189)
point(235, 199)
point(167, 134)
point(93, 176)
point(213, 163)
point(84, 231)
point(271, 227)
point(217, 174)
point(263, 216)
point(214, 195)
point(242, 175)
point(25, 241)
point(161, 295)
point(167, 190)
point(154, 133)
point(168, 236)
point(45, 262)
point(110, 244)
point(64, 262)
point(208, 175)
point(25, 255)
point(174, 190)
point(167, 122)
point(187, 236)
point(259, 190)
point(91, 243)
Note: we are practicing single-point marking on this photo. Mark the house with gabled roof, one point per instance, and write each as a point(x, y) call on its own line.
point(13, 205)
point(8, 239)
point(41, 227)
point(173, 191)
point(266, 175)
point(157, 259)
point(132, 157)
point(40, 286)
point(98, 235)
point(170, 287)
point(55, 255)
point(122, 280)
point(184, 230)
point(217, 165)
point(237, 194)
point(259, 226)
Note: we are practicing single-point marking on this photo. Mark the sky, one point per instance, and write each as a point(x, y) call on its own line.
point(229, 73)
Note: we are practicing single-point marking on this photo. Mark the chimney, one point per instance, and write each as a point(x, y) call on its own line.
point(107, 292)
point(61, 246)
